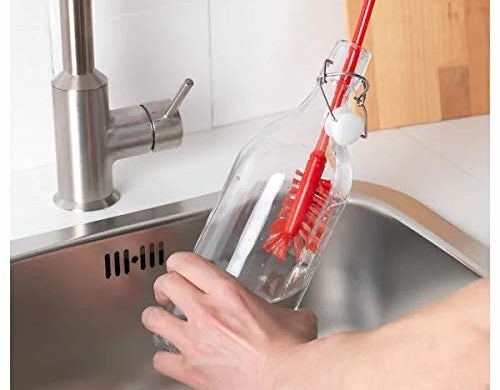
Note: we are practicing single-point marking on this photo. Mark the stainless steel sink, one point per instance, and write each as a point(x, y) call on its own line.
point(77, 293)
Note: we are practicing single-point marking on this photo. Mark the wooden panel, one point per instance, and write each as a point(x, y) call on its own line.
point(454, 91)
point(430, 60)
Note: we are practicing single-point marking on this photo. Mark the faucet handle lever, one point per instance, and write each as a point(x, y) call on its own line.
point(178, 98)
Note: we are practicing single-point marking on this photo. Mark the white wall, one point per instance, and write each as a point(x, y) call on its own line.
point(248, 58)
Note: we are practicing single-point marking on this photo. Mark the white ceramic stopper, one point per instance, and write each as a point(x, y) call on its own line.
point(347, 128)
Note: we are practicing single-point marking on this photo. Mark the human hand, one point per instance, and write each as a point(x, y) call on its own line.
point(236, 340)
point(232, 338)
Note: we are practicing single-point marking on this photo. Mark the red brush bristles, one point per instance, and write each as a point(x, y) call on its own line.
point(281, 236)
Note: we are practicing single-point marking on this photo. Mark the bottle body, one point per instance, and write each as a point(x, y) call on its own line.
point(252, 197)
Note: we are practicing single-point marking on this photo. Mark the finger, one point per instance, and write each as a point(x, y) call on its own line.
point(197, 270)
point(302, 322)
point(309, 322)
point(160, 297)
point(159, 321)
point(307, 315)
point(175, 366)
point(173, 287)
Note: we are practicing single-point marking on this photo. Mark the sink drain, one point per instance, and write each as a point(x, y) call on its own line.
point(120, 262)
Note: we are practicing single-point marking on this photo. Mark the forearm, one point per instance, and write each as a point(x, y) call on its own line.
point(442, 345)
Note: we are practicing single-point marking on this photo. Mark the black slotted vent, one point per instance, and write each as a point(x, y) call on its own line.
point(120, 263)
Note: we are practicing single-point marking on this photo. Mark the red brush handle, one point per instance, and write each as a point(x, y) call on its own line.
point(349, 65)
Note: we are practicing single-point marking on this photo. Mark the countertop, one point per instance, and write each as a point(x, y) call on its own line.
point(444, 165)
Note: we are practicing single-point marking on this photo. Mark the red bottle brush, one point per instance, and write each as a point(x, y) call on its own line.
point(308, 194)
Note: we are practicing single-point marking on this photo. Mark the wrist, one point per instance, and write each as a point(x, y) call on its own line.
point(337, 361)
point(287, 367)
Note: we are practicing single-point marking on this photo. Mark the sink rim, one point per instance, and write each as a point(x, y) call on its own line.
point(425, 222)
point(381, 199)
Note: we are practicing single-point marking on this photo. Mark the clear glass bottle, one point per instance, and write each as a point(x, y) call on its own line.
point(239, 225)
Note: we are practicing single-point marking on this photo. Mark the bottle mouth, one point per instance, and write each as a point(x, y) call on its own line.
point(340, 52)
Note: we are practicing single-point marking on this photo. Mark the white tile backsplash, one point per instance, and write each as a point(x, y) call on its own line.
point(123, 7)
point(32, 134)
point(248, 59)
point(266, 54)
point(146, 55)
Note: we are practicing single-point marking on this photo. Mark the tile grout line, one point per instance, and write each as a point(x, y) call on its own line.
point(210, 65)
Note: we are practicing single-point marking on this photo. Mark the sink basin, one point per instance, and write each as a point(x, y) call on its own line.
point(77, 293)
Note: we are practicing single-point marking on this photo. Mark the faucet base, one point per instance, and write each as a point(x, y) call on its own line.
point(87, 206)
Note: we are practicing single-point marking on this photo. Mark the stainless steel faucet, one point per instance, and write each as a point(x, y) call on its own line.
point(90, 137)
